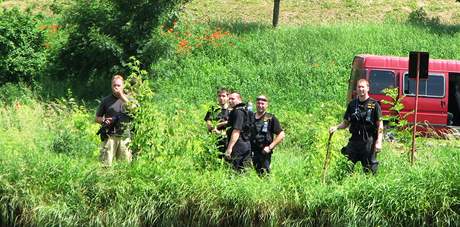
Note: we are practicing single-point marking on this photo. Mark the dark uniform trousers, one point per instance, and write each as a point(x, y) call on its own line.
point(221, 144)
point(362, 151)
point(261, 161)
point(241, 158)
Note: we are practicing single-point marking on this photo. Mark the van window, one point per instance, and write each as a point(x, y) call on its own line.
point(431, 87)
point(380, 80)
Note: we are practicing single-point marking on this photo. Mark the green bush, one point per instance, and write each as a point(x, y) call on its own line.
point(75, 135)
point(73, 142)
point(103, 34)
point(420, 17)
point(176, 179)
point(11, 93)
point(22, 51)
point(398, 126)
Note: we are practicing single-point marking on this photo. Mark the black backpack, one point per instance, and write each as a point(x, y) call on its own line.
point(248, 123)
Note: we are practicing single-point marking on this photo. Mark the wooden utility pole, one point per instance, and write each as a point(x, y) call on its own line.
point(276, 12)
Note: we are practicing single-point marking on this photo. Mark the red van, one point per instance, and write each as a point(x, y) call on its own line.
point(439, 95)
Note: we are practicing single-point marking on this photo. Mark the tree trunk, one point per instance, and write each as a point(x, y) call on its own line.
point(276, 12)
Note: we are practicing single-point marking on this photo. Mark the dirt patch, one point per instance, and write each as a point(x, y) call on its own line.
point(301, 12)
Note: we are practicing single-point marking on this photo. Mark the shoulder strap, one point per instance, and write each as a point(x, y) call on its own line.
point(355, 104)
point(374, 101)
point(268, 116)
point(247, 122)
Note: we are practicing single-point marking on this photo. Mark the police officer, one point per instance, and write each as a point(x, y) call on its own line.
point(266, 134)
point(217, 117)
point(112, 113)
point(239, 148)
point(363, 115)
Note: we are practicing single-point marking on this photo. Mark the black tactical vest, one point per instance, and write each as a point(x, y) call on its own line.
point(363, 123)
point(261, 134)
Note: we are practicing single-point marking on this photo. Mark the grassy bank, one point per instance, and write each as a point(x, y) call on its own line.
point(302, 12)
point(49, 173)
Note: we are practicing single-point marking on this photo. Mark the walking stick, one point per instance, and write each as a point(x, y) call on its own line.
point(328, 158)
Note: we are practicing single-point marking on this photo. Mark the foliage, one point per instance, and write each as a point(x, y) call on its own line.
point(22, 50)
point(71, 143)
point(74, 137)
point(155, 133)
point(11, 93)
point(397, 122)
point(104, 33)
point(175, 180)
point(295, 13)
point(420, 17)
point(143, 112)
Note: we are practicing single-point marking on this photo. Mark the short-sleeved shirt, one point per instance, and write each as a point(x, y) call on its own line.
point(363, 118)
point(236, 120)
point(217, 114)
point(112, 106)
point(273, 128)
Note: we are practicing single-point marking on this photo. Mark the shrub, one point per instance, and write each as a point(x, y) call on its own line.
point(72, 143)
point(103, 34)
point(22, 52)
point(11, 93)
point(76, 134)
point(397, 122)
point(420, 17)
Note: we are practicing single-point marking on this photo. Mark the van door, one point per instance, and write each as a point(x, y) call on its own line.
point(432, 102)
point(454, 99)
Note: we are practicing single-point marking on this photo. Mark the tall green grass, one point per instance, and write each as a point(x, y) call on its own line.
point(176, 179)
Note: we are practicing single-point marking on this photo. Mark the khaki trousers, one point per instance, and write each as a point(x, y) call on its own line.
point(115, 146)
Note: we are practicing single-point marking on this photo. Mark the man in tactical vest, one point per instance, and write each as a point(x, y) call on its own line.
point(113, 115)
point(239, 148)
point(363, 115)
point(216, 119)
point(266, 134)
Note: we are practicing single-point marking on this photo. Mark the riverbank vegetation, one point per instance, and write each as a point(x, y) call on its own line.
point(49, 169)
